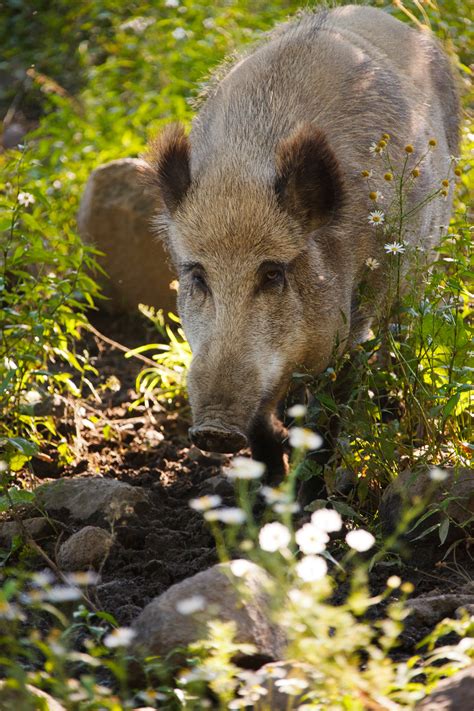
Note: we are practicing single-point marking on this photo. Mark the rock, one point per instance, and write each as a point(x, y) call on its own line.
point(115, 216)
point(218, 484)
point(453, 694)
point(411, 487)
point(13, 135)
point(14, 699)
point(231, 592)
point(38, 528)
point(88, 548)
point(430, 609)
point(88, 495)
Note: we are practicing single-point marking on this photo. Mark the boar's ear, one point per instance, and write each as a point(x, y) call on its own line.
point(167, 166)
point(308, 181)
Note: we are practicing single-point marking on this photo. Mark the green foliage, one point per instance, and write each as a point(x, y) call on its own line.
point(163, 383)
point(44, 293)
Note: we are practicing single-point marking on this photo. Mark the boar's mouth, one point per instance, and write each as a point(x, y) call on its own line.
point(216, 438)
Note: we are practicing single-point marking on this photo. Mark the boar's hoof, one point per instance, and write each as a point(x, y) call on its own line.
point(212, 438)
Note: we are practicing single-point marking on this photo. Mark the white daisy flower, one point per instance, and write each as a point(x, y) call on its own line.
point(394, 248)
point(244, 468)
point(62, 593)
point(394, 582)
point(289, 507)
point(88, 577)
point(179, 33)
point(326, 520)
point(273, 495)
point(311, 568)
point(297, 411)
point(26, 199)
point(120, 637)
point(360, 540)
point(302, 438)
point(274, 537)
point(375, 149)
point(230, 515)
point(376, 217)
point(190, 605)
point(291, 685)
point(204, 503)
point(437, 474)
point(311, 539)
point(372, 263)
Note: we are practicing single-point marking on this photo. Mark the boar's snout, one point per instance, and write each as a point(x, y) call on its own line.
point(216, 438)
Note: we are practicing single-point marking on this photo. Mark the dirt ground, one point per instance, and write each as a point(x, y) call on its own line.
point(164, 541)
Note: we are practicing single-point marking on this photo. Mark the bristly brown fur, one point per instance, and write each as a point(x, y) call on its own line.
point(168, 159)
point(309, 182)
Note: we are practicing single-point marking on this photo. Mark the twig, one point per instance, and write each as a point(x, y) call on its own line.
point(124, 349)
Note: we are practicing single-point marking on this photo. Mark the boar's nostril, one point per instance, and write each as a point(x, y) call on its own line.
point(218, 439)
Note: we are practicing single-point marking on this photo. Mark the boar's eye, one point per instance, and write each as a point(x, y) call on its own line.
point(197, 275)
point(272, 274)
point(199, 280)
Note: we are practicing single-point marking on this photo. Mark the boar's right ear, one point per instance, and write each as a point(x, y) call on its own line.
point(167, 167)
point(308, 182)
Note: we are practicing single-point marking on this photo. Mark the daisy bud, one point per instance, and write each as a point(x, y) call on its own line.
point(415, 172)
point(409, 148)
point(432, 142)
point(388, 176)
point(445, 183)
point(386, 136)
point(458, 172)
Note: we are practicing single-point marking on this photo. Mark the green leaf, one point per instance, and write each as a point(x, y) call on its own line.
point(443, 530)
point(24, 446)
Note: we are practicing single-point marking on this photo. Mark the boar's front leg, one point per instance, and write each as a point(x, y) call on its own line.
point(266, 437)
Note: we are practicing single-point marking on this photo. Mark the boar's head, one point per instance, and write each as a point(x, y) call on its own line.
point(258, 292)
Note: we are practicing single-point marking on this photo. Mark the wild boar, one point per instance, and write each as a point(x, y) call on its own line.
point(266, 214)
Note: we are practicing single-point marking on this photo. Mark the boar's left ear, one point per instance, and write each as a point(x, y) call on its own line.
point(167, 166)
point(308, 182)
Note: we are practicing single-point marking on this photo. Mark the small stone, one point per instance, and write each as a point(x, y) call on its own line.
point(231, 592)
point(453, 694)
point(87, 496)
point(38, 527)
point(13, 135)
point(88, 548)
point(430, 609)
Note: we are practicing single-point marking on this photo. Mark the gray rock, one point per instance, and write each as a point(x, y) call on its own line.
point(453, 694)
point(115, 216)
point(231, 592)
point(411, 487)
point(86, 496)
point(13, 135)
point(38, 528)
point(430, 609)
point(88, 548)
